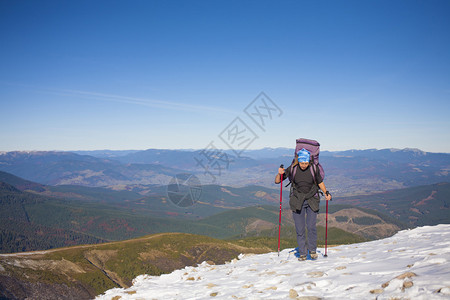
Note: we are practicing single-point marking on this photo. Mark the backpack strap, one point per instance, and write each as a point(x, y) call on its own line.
point(314, 170)
point(292, 173)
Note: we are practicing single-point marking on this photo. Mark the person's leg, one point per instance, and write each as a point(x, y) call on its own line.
point(311, 218)
point(299, 220)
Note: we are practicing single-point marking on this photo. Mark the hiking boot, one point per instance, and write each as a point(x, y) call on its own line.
point(302, 258)
point(313, 255)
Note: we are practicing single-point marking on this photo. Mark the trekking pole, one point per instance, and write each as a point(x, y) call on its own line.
point(326, 230)
point(326, 225)
point(279, 220)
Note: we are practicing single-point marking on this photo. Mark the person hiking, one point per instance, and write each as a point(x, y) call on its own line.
point(304, 200)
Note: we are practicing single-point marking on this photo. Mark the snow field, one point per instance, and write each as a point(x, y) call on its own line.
point(413, 264)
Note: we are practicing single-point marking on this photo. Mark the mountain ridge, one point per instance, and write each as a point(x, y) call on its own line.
point(347, 172)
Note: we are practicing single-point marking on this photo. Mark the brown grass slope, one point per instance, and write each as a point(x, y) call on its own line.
point(81, 272)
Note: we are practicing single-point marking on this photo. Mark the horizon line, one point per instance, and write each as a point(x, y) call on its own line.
point(222, 150)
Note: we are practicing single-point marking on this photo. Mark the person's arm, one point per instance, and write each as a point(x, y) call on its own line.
point(325, 192)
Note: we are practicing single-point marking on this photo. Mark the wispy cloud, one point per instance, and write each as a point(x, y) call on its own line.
point(143, 101)
point(170, 105)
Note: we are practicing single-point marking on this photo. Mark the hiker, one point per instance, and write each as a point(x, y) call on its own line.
point(304, 200)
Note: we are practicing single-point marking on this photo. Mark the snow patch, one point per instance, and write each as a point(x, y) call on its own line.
point(413, 264)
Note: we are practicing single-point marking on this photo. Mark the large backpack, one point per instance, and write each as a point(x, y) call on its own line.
point(314, 148)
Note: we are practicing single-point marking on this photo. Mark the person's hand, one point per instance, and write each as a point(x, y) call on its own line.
point(281, 170)
point(279, 178)
point(328, 196)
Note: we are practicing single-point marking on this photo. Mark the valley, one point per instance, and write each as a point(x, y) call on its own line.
point(77, 224)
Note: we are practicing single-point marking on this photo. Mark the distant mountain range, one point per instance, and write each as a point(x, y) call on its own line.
point(348, 173)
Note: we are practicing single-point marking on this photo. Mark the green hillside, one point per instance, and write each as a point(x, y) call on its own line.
point(19, 232)
point(46, 217)
point(415, 206)
point(34, 222)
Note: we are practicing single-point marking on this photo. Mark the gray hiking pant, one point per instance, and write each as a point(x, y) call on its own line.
point(305, 219)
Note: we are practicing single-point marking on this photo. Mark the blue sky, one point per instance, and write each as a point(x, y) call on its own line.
point(86, 75)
